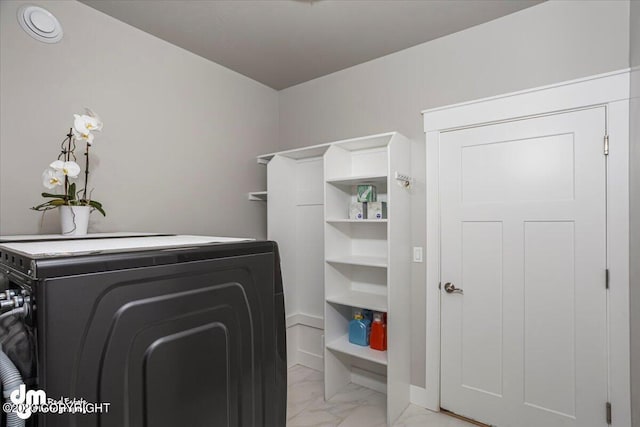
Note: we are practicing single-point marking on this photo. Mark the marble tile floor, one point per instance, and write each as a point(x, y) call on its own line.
point(354, 406)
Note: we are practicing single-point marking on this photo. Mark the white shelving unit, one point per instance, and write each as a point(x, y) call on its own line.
point(332, 264)
point(367, 265)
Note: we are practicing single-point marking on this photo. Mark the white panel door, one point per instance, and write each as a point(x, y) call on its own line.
point(523, 235)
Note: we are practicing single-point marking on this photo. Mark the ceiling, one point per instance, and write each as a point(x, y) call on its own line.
point(285, 42)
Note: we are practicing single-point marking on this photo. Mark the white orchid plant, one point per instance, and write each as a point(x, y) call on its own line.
point(61, 173)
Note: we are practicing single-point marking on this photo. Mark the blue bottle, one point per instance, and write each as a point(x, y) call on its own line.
point(359, 330)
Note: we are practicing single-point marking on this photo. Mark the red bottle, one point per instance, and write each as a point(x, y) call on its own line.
point(378, 336)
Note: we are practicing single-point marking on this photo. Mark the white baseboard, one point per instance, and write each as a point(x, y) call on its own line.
point(306, 320)
point(301, 351)
point(369, 379)
point(310, 360)
point(418, 396)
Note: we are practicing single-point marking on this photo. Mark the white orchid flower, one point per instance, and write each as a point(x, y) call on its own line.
point(70, 169)
point(51, 178)
point(87, 137)
point(84, 124)
point(94, 116)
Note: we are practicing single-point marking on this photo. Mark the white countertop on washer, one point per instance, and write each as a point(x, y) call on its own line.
point(58, 245)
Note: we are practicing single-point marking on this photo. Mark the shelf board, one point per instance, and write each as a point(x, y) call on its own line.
point(364, 221)
point(367, 261)
point(375, 302)
point(258, 195)
point(342, 345)
point(297, 153)
point(352, 144)
point(354, 180)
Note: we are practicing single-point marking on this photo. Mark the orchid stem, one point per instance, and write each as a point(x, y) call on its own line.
point(67, 156)
point(86, 172)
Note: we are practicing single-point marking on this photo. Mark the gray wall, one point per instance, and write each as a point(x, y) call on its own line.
point(181, 134)
point(177, 153)
point(548, 43)
point(634, 121)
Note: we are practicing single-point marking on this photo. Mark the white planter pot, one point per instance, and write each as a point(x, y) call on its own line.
point(74, 220)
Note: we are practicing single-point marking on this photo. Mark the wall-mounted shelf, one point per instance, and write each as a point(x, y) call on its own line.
point(368, 300)
point(351, 221)
point(355, 180)
point(366, 261)
point(258, 196)
point(342, 345)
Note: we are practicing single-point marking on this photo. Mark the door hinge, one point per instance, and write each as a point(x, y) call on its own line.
point(608, 412)
point(606, 145)
point(606, 278)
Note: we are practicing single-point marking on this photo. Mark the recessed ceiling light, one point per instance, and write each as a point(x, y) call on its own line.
point(40, 24)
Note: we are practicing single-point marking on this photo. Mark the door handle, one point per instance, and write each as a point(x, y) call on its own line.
point(451, 288)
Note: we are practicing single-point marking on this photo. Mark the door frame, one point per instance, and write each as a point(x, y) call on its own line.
point(610, 90)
